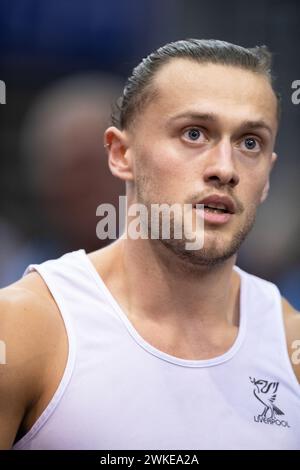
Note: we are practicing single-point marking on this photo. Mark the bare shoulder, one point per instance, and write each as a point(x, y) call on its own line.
point(292, 327)
point(30, 328)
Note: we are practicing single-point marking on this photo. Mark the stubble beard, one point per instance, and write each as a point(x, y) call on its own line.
point(217, 248)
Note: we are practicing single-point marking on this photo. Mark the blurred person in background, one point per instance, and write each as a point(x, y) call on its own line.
point(65, 165)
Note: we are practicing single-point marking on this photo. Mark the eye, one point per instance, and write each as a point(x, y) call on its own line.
point(251, 143)
point(193, 134)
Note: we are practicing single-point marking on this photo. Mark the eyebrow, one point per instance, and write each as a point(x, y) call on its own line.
point(211, 117)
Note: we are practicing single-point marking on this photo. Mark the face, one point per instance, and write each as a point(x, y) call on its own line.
point(209, 131)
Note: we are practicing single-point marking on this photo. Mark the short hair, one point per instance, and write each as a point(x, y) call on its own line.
point(138, 90)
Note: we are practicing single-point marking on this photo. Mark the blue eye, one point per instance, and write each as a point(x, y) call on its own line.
point(250, 143)
point(193, 134)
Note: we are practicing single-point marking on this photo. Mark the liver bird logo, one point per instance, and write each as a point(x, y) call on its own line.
point(266, 392)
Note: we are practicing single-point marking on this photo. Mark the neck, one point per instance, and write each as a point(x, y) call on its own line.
point(160, 286)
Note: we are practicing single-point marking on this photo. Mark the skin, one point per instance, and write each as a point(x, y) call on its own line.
point(159, 163)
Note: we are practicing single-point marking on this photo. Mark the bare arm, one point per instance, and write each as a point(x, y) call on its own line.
point(30, 330)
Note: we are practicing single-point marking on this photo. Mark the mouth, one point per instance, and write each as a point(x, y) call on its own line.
point(217, 209)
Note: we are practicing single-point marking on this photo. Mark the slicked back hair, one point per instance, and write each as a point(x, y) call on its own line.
point(138, 89)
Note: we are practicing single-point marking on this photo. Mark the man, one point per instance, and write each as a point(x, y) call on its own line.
point(146, 344)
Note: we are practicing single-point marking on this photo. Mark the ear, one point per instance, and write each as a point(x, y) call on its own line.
point(267, 185)
point(119, 161)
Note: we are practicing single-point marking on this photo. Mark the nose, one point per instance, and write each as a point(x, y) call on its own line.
point(220, 168)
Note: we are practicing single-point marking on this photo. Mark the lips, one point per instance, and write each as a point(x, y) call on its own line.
point(220, 203)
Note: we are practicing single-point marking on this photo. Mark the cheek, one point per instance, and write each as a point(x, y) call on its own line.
point(250, 193)
point(162, 164)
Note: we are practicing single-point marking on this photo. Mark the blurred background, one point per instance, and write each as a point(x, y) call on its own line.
point(64, 63)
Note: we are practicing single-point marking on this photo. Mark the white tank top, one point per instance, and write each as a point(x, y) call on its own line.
point(120, 392)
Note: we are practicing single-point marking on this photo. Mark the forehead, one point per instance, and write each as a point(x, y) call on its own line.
point(227, 91)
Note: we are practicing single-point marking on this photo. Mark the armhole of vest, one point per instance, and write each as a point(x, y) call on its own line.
point(287, 360)
point(70, 363)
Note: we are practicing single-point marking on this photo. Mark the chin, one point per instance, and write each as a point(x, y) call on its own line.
point(211, 254)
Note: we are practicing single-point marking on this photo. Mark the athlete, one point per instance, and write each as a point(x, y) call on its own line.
point(146, 344)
